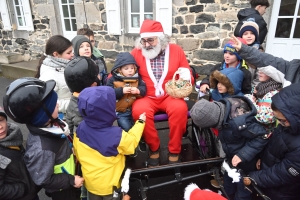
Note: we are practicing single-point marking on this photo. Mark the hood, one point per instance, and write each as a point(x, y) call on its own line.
point(275, 74)
point(232, 78)
point(97, 106)
point(123, 58)
point(287, 102)
point(242, 14)
point(77, 41)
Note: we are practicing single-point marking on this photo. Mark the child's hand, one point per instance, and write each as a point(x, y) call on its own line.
point(134, 90)
point(235, 160)
point(237, 44)
point(126, 90)
point(143, 116)
point(203, 88)
point(78, 181)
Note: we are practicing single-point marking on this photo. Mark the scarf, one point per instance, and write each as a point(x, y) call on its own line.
point(267, 86)
point(14, 136)
point(55, 62)
point(97, 53)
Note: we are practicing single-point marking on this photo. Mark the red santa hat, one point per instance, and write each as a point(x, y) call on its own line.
point(193, 192)
point(151, 28)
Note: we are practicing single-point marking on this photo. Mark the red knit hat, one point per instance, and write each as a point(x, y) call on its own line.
point(193, 192)
point(151, 28)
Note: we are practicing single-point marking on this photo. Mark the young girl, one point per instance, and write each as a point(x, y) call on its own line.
point(271, 81)
point(52, 64)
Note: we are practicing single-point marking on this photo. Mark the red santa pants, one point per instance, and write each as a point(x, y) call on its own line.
point(177, 112)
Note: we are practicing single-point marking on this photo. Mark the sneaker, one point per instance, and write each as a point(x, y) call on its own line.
point(173, 158)
point(142, 145)
point(153, 159)
point(215, 183)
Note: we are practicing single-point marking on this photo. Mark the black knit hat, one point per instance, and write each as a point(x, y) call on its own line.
point(2, 113)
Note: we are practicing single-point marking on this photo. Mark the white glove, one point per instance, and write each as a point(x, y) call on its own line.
point(184, 73)
point(125, 181)
point(232, 173)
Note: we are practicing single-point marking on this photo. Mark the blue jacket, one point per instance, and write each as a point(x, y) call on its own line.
point(242, 136)
point(280, 161)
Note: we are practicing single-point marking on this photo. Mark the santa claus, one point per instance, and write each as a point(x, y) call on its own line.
point(158, 60)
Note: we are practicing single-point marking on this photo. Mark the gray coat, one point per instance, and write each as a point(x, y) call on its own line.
point(73, 116)
point(291, 69)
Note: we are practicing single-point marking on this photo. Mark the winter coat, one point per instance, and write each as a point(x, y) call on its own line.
point(280, 160)
point(243, 135)
point(291, 69)
point(244, 15)
point(73, 116)
point(118, 82)
point(47, 154)
point(15, 181)
point(246, 86)
point(231, 78)
point(99, 146)
point(102, 68)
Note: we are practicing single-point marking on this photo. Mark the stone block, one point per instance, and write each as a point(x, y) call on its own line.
point(178, 2)
point(179, 20)
point(205, 18)
point(20, 69)
point(174, 30)
point(190, 2)
point(207, 35)
point(106, 45)
point(209, 54)
point(207, 1)
point(212, 8)
point(188, 44)
point(183, 10)
point(228, 16)
point(200, 28)
point(213, 27)
point(189, 19)
point(184, 29)
point(196, 9)
point(210, 44)
point(226, 27)
point(45, 10)
point(110, 54)
point(8, 58)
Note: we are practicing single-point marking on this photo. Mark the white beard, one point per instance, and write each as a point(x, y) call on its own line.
point(152, 52)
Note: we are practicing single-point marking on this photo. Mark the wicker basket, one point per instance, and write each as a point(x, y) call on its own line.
point(178, 88)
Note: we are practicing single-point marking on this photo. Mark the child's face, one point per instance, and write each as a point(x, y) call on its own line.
point(67, 54)
point(230, 58)
point(221, 88)
point(85, 50)
point(262, 77)
point(128, 70)
point(281, 119)
point(3, 127)
point(249, 37)
point(92, 39)
point(261, 9)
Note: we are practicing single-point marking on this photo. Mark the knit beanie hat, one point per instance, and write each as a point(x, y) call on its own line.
point(151, 28)
point(2, 113)
point(193, 192)
point(40, 117)
point(230, 48)
point(207, 114)
point(77, 41)
point(250, 26)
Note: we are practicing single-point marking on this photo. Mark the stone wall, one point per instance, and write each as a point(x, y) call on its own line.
point(200, 27)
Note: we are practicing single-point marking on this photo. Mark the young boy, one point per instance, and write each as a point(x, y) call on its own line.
point(279, 166)
point(255, 13)
point(82, 46)
point(48, 157)
point(16, 182)
point(101, 147)
point(226, 82)
point(231, 60)
point(242, 137)
point(128, 87)
point(96, 55)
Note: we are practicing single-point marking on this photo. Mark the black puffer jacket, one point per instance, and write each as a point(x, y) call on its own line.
point(244, 15)
point(280, 162)
point(15, 181)
point(243, 135)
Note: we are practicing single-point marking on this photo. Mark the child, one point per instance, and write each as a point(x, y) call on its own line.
point(96, 55)
point(80, 73)
point(58, 52)
point(128, 87)
point(242, 137)
point(101, 147)
point(48, 157)
point(226, 82)
point(279, 168)
point(16, 182)
point(82, 46)
point(271, 81)
point(231, 60)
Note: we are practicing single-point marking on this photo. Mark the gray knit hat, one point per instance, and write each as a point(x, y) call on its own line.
point(207, 114)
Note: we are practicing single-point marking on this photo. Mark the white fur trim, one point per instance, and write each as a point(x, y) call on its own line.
point(275, 74)
point(151, 34)
point(189, 189)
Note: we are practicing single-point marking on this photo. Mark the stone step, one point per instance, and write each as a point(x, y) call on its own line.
point(20, 69)
point(7, 58)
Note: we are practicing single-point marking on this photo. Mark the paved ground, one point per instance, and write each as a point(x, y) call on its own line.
point(171, 192)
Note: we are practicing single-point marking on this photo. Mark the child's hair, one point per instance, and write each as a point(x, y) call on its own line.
point(85, 31)
point(56, 43)
point(255, 3)
point(273, 107)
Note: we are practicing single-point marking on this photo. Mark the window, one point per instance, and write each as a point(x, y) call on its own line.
point(68, 18)
point(138, 11)
point(19, 14)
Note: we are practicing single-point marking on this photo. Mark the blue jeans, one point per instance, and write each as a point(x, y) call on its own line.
point(125, 120)
point(236, 191)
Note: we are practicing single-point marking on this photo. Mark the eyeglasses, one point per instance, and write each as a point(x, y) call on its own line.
point(149, 40)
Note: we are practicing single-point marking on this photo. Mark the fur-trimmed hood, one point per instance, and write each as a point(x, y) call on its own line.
point(231, 78)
